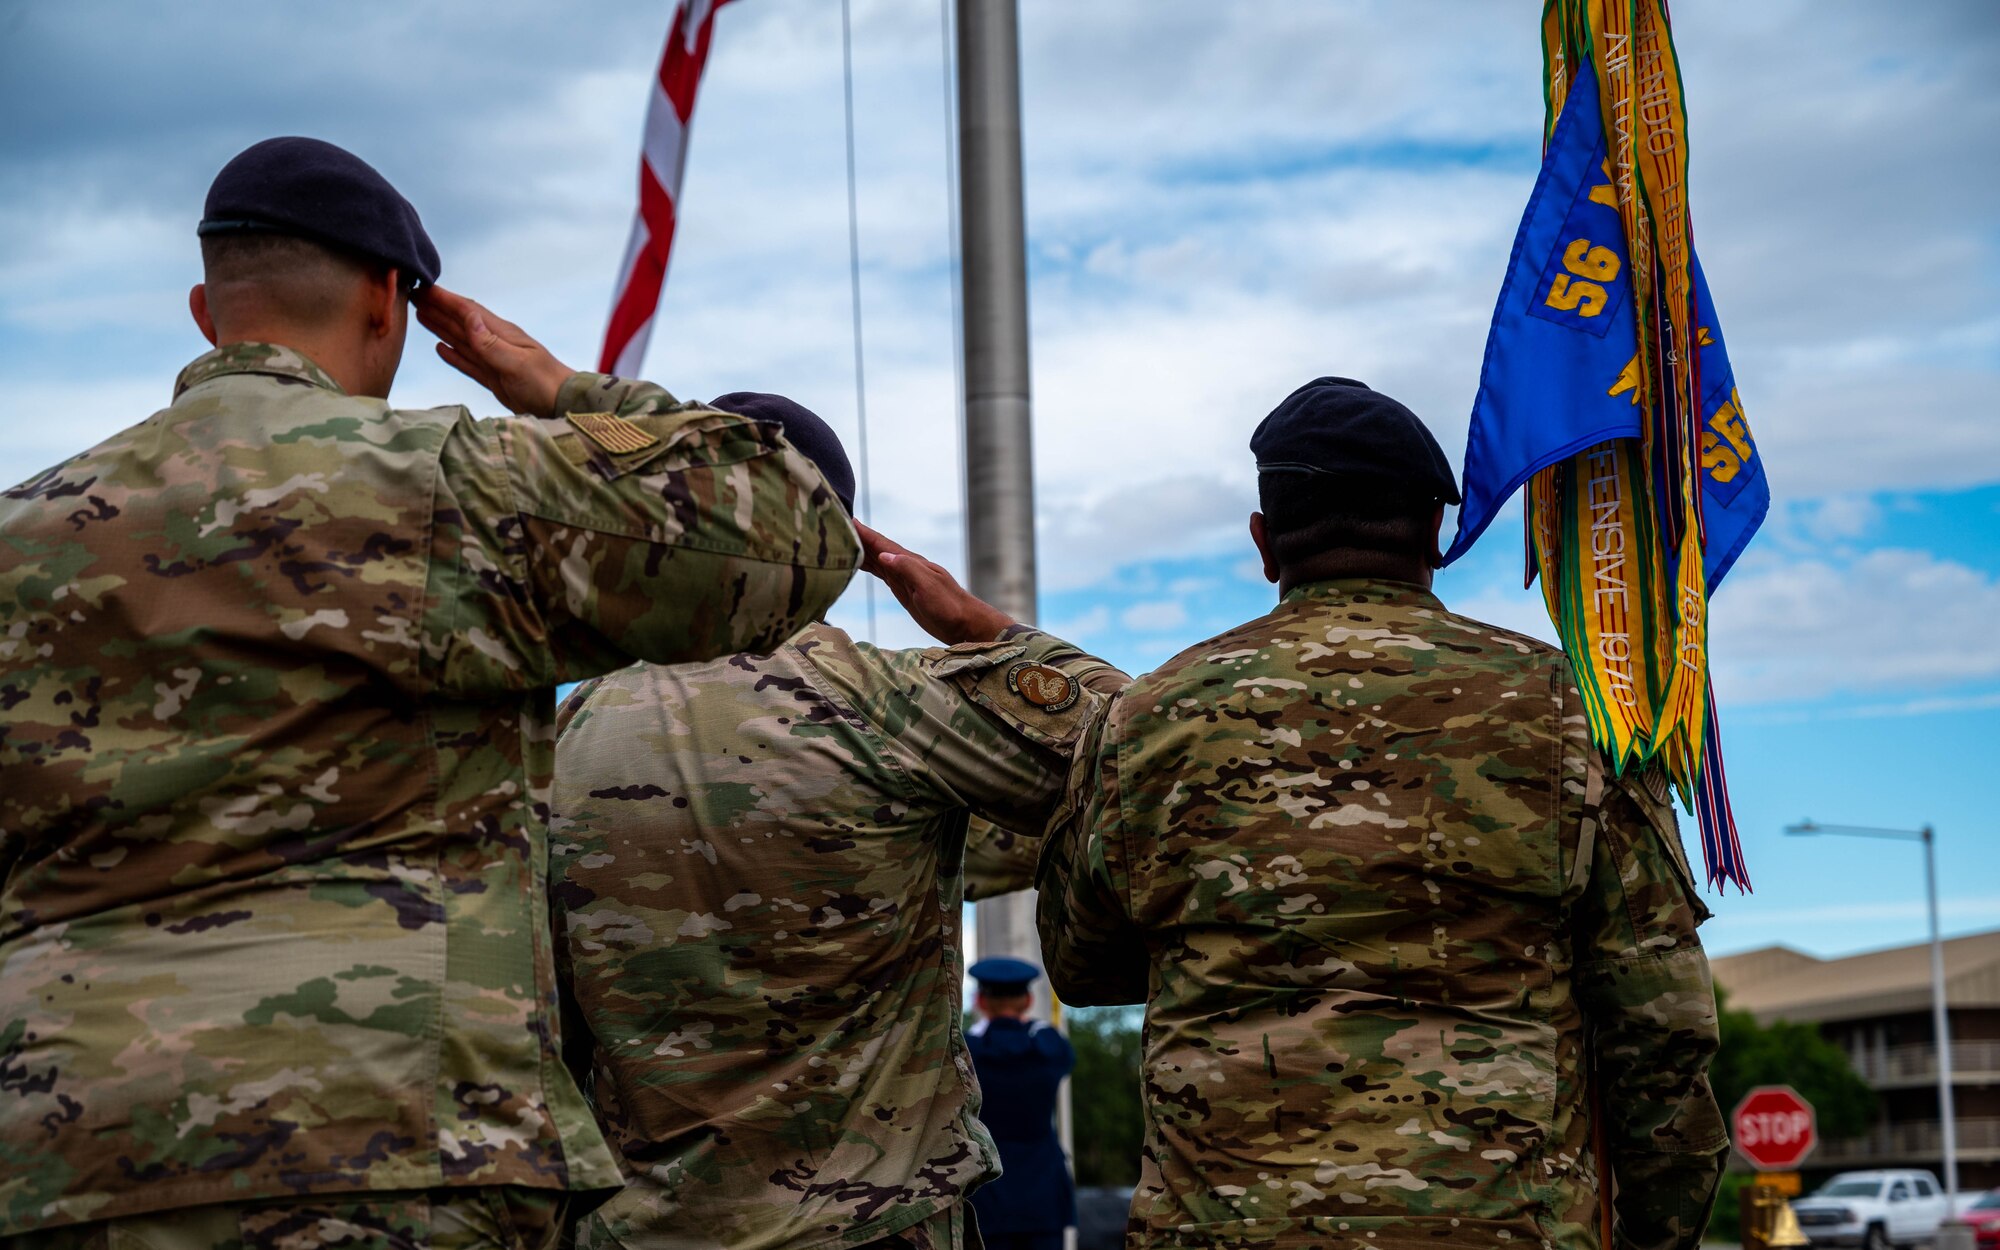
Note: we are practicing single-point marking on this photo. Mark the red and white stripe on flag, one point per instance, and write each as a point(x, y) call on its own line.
point(661, 160)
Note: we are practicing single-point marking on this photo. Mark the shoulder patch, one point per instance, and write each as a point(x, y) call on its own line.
point(1043, 685)
point(1039, 701)
point(612, 432)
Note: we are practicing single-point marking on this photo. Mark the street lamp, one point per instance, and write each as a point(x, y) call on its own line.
point(1940, 1018)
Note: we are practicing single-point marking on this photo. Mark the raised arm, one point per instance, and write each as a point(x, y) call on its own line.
point(633, 526)
point(998, 861)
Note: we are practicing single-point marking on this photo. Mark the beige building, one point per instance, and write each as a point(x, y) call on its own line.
point(1878, 1007)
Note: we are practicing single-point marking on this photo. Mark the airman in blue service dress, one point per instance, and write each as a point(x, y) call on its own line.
point(1021, 1064)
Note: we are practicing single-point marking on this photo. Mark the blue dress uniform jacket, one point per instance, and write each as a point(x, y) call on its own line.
point(1021, 1064)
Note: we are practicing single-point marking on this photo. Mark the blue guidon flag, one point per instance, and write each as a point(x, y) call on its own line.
point(1557, 380)
point(1569, 406)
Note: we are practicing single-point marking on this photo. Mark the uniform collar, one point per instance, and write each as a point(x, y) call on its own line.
point(1364, 590)
point(266, 358)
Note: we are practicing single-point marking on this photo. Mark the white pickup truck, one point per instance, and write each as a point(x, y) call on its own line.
point(1873, 1209)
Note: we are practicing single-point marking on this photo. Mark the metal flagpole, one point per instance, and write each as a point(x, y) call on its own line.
point(1000, 490)
point(999, 471)
point(999, 451)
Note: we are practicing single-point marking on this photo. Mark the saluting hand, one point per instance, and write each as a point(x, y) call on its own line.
point(494, 352)
point(929, 593)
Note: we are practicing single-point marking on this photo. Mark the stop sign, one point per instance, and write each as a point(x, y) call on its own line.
point(1773, 1128)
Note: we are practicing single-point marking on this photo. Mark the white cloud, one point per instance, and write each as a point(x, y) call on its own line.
point(1090, 624)
point(45, 423)
point(1886, 620)
point(1520, 611)
point(1087, 537)
point(1930, 705)
point(1802, 624)
point(1839, 517)
point(1224, 201)
point(1154, 616)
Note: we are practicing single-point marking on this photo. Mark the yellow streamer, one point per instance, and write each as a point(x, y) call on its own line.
point(1598, 531)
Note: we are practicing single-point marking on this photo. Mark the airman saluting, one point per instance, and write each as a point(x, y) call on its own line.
point(277, 673)
point(757, 892)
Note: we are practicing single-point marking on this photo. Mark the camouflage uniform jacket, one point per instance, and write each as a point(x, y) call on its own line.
point(1362, 865)
point(277, 672)
point(756, 882)
point(999, 861)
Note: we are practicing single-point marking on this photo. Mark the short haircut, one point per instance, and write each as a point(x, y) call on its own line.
point(1309, 513)
point(281, 275)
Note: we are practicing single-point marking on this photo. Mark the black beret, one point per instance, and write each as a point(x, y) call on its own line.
point(803, 429)
point(1340, 439)
point(314, 190)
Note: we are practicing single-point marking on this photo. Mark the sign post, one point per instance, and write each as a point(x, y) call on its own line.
point(1775, 1130)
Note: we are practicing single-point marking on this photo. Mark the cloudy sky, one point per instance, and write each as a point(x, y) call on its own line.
point(1224, 200)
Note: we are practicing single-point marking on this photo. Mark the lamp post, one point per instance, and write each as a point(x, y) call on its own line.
point(1940, 1017)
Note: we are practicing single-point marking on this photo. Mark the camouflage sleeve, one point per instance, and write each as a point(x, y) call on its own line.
point(635, 527)
point(1095, 954)
point(1643, 983)
point(1002, 861)
point(998, 861)
point(988, 726)
point(1102, 676)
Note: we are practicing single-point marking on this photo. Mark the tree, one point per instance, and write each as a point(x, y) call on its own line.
point(1104, 1094)
point(1787, 1053)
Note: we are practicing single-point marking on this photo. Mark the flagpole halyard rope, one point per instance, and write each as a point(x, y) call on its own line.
point(854, 290)
point(946, 44)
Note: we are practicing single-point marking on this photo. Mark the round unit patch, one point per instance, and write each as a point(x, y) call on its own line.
point(1048, 688)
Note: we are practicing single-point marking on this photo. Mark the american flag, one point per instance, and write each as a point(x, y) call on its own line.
point(661, 161)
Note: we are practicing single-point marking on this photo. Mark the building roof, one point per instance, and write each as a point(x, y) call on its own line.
point(1779, 983)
